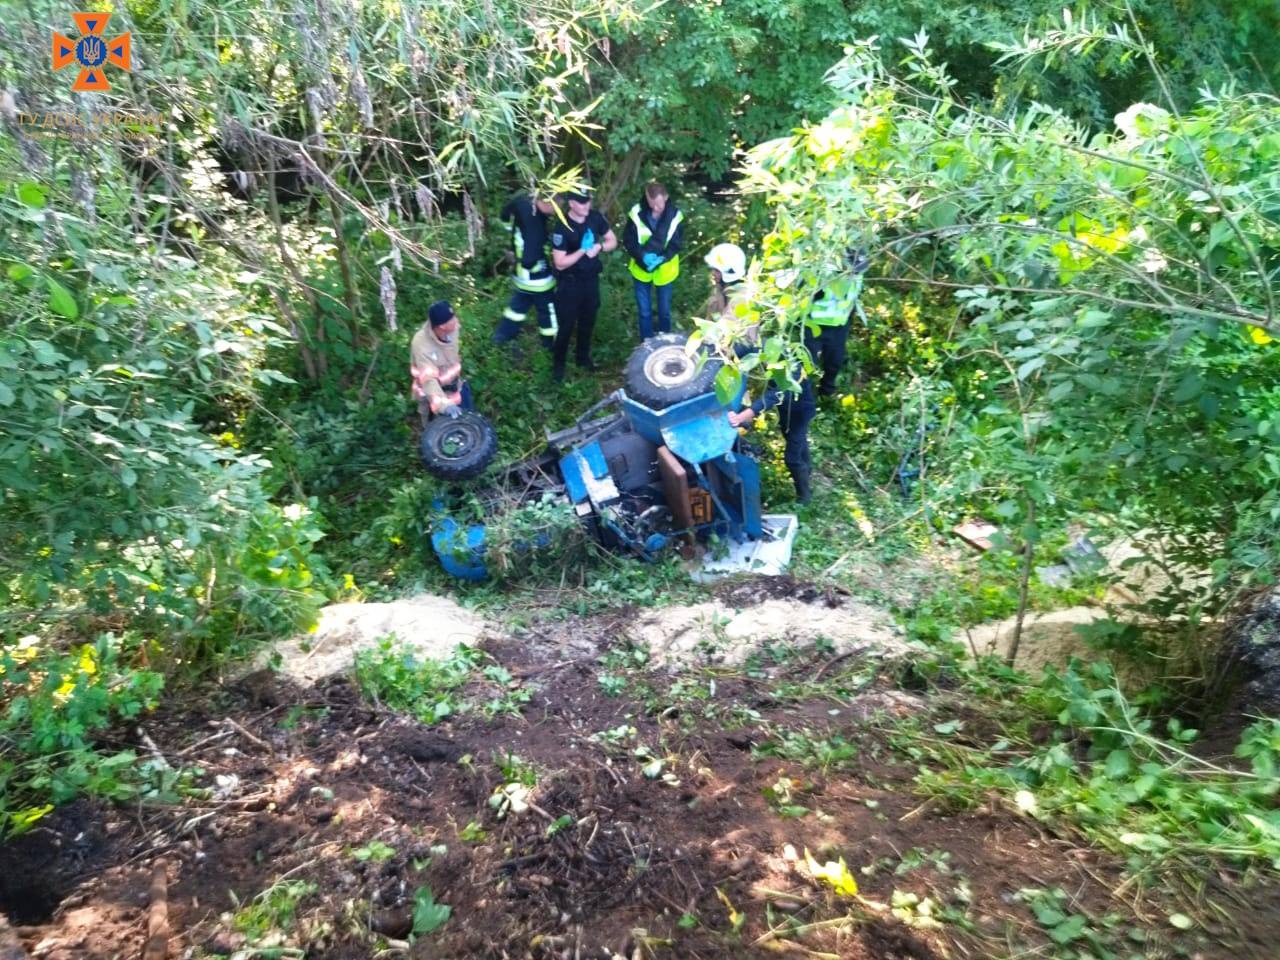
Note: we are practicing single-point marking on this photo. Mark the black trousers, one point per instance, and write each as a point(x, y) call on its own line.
point(577, 303)
point(794, 416)
point(829, 350)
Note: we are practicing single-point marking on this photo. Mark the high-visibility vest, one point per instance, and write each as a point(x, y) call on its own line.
point(535, 279)
point(668, 270)
point(839, 299)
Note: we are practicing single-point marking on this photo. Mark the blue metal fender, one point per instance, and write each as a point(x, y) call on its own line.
point(460, 549)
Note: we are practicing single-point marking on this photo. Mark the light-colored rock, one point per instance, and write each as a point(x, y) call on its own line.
point(714, 633)
point(432, 625)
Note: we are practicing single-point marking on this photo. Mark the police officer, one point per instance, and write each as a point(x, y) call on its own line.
point(526, 217)
point(833, 311)
point(435, 362)
point(576, 246)
point(653, 237)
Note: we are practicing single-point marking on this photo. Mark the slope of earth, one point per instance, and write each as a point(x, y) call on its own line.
point(577, 802)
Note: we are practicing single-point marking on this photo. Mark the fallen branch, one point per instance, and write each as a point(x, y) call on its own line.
point(251, 737)
point(157, 945)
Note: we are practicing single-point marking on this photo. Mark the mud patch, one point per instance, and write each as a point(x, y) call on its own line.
point(39, 869)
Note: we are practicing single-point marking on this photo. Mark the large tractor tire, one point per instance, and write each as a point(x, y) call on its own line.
point(660, 374)
point(458, 448)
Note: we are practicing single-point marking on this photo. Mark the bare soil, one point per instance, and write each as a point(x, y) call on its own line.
point(605, 863)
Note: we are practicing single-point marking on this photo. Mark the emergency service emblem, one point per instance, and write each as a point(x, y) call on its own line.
point(91, 51)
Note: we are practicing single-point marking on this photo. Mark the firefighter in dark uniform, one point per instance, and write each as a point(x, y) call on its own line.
point(526, 218)
point(576, 246)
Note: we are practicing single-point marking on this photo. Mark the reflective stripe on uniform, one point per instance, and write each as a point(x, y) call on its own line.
point(668, 270)
point(525, 279)
point(552, 330)
point(513, 315)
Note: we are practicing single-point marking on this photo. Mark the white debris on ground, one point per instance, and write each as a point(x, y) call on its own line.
point(434, 626)
point(715, 633)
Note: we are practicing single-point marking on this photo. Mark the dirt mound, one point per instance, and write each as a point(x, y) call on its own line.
point(1047, 638)
point(432, 625)
point(717, 633)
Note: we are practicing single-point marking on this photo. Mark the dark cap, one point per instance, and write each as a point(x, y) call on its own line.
point(581, 194)
point(439, 313)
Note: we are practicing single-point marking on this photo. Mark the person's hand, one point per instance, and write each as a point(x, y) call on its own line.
point(588, 240)
point(452, 411)
point(594, 251)
point(741, 418)
point(651, 261)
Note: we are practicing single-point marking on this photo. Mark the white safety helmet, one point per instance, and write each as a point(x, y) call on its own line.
point(729, 259)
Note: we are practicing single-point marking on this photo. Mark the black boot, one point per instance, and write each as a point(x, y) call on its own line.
point(801, 479)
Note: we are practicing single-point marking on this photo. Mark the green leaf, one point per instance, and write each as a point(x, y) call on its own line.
point(1119, 764)
point(1144, 785)
point(1029, 367)
point(18, 272)
point(1070, 929)
point(1181, 921)
point(428, 915)
point(6, 395)
point(61, 301)
point(1047, 914)
point(1189, 387)
point(128, 476)
point(727, 384)
point(33, 194)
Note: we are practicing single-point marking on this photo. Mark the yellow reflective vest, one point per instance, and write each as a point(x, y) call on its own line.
point(838, 301)
point(668, 270)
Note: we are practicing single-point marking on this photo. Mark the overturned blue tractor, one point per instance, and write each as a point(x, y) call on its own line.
point(649, 465)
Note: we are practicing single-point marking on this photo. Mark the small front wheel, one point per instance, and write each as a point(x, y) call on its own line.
point(460, 447)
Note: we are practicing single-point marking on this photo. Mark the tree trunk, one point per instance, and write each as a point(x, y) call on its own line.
point(1028, 558)
point(344, 265)
point(313, 361)
point(621, 177)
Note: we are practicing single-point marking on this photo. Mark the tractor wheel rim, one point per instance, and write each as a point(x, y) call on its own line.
point(455, 442)
point(669, 367)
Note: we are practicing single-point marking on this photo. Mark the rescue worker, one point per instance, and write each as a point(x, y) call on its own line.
point(576, 246)
point(833, 311)
point(731, 300)
point(795, 412)
point(731, 294)
point(653, 237)
point(436, 365)
point(526, 217)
